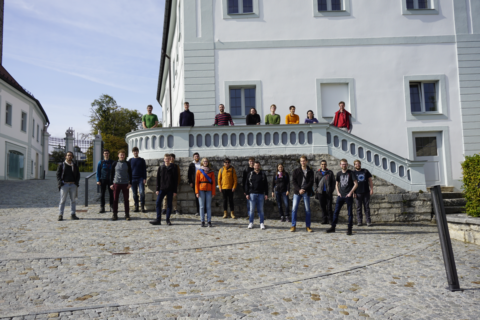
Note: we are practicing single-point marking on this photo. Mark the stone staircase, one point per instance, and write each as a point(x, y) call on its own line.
point(454, 202)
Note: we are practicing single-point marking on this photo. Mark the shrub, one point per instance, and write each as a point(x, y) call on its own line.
point(471, 184)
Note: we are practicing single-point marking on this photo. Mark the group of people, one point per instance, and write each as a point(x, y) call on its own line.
point(342, 118)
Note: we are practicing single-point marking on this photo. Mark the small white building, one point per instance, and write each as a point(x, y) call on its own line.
point(408, 70)
point(23, 142)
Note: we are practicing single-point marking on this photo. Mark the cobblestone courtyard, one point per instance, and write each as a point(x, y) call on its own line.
point(101, 269)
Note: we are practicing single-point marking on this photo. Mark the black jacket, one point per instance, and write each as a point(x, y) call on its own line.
point(244, 176)
point(112, 172)
point(281, 184)
point(76, 175)
point(187, 119)
point(257, 183)
point(252, 119)
point(297, 179)
point(167, 178)
point(192, 172)
point(320, 180)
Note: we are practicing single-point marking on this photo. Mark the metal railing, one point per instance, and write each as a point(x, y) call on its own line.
point(86, 187)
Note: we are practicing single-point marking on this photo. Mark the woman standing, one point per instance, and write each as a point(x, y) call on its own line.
point(280, 190)
point(205, 190)
point(310, 117)
point(253, 118)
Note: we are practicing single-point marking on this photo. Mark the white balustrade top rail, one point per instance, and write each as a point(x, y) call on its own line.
point(278, 139)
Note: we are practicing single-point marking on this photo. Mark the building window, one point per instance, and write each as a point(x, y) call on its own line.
point(38, 132)
point(419, 6)
point(241, 101)
point(8, 115)
point(425, 96)
point(330, 92)
point(426, 146)
point(331, 8)
point(24, 122)
point(237, 9)
point(32, 167)
point(33, 129)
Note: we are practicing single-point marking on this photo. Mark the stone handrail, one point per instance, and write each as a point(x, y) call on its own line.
point(278, 139)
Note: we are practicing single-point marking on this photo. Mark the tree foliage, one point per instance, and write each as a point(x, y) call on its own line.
point(471, 184)
point(112, 119)
point(58, 156)
point(113, 144)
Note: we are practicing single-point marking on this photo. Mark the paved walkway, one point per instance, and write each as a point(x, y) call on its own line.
point(101, 269)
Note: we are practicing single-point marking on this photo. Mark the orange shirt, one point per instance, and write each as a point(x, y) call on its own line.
point(295, 119)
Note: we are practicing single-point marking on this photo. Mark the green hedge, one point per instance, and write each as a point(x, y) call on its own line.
point(471, 184)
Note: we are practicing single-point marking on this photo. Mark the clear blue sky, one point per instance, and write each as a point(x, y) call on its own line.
point(68, 53)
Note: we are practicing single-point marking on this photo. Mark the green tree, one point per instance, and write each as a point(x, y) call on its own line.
point(58, 156)
point(113, 144)
point(112, 119)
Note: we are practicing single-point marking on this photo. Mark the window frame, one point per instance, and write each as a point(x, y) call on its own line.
point(33, 129)
point(351, 93)
point(345, 9)
point(442, 106)
point(434, 8)
point(244, 85)
point(22, 122)
point(38, 132)
point(241, 15)
point(8, 114)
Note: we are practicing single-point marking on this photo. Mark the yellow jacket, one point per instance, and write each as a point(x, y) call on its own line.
point(227, 178)
point(292, 120)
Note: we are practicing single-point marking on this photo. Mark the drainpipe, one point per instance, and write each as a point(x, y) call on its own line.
point(170, 81)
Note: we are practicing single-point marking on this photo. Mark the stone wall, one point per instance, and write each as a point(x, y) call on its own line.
point(464, 228)
point(389, 203)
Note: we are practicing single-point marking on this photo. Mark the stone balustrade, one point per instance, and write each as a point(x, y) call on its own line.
point(279, 140)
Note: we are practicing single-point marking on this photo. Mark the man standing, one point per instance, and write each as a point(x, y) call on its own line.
point(174, 201)
point(68, 180)
point(343, 118)
point(302, 180)
point(251, 162)
point(324, 186)
point(363, 192)
point(149, 120)
point(227, 183)
point(121, 176)
point(223, 118)
point(139, 178)
point(103, 179)
point(166, 187)
point(192, 172)
point(257, 193)
point(272, 118)
point(346, 185)
point(187, 118)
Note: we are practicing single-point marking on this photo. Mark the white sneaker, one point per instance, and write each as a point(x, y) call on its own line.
point(250, 225)
point(262, 226)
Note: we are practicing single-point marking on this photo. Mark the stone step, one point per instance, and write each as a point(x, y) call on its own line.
point(454, 202)
point(452, 195)
point(455, 209)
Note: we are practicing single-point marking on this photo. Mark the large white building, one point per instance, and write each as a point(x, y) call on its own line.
point(408, 70)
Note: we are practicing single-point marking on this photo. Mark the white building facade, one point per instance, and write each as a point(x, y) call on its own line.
point(408, 70)
point(23, 138)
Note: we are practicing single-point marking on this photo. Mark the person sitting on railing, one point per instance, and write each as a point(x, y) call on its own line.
point(187, 117)
point(223, 118)
point(343, 118)
point(292, 118)
point(272, 118)
point(149, 120)
point(253, 118)
point(310, 117)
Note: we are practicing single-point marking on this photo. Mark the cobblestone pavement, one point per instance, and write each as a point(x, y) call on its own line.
point(102, 269)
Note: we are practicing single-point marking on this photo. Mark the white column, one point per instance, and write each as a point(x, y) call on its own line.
point(46, 154)
point(97, 150)
point(69, 140)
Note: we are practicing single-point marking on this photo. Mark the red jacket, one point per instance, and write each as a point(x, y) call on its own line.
point(342, 119)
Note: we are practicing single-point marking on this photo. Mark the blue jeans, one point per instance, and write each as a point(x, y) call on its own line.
point(296, 201)
point(338, 206)
point(162, 194)
point(67, 190)
point(256, 200)
point(205, 200)
point(282, 197)
point(138, 184)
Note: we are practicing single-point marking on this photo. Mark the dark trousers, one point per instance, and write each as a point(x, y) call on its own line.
point(282, 200)
point(363, 199)
point(116, 194)
point(338, 206)
point(162, 194)
point(326, 205)
point(105, 185)
point(138, 185)
point(227, 198)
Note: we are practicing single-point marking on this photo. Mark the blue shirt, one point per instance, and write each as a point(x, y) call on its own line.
point(324, 185)
point(139, 168)
point(314, 120)
point(103, 169)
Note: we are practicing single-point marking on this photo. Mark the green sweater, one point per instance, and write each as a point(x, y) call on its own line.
point(272, 119)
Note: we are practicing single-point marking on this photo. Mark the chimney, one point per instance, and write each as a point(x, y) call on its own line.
point(2, 7)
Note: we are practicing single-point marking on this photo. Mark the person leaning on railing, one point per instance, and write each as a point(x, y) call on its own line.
point(310, 118)
point(272, 118)
point(292, 118)
point(343, 118)
point(187, 118)
point(223, 118)
point(149, 120)
point(252, 118)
